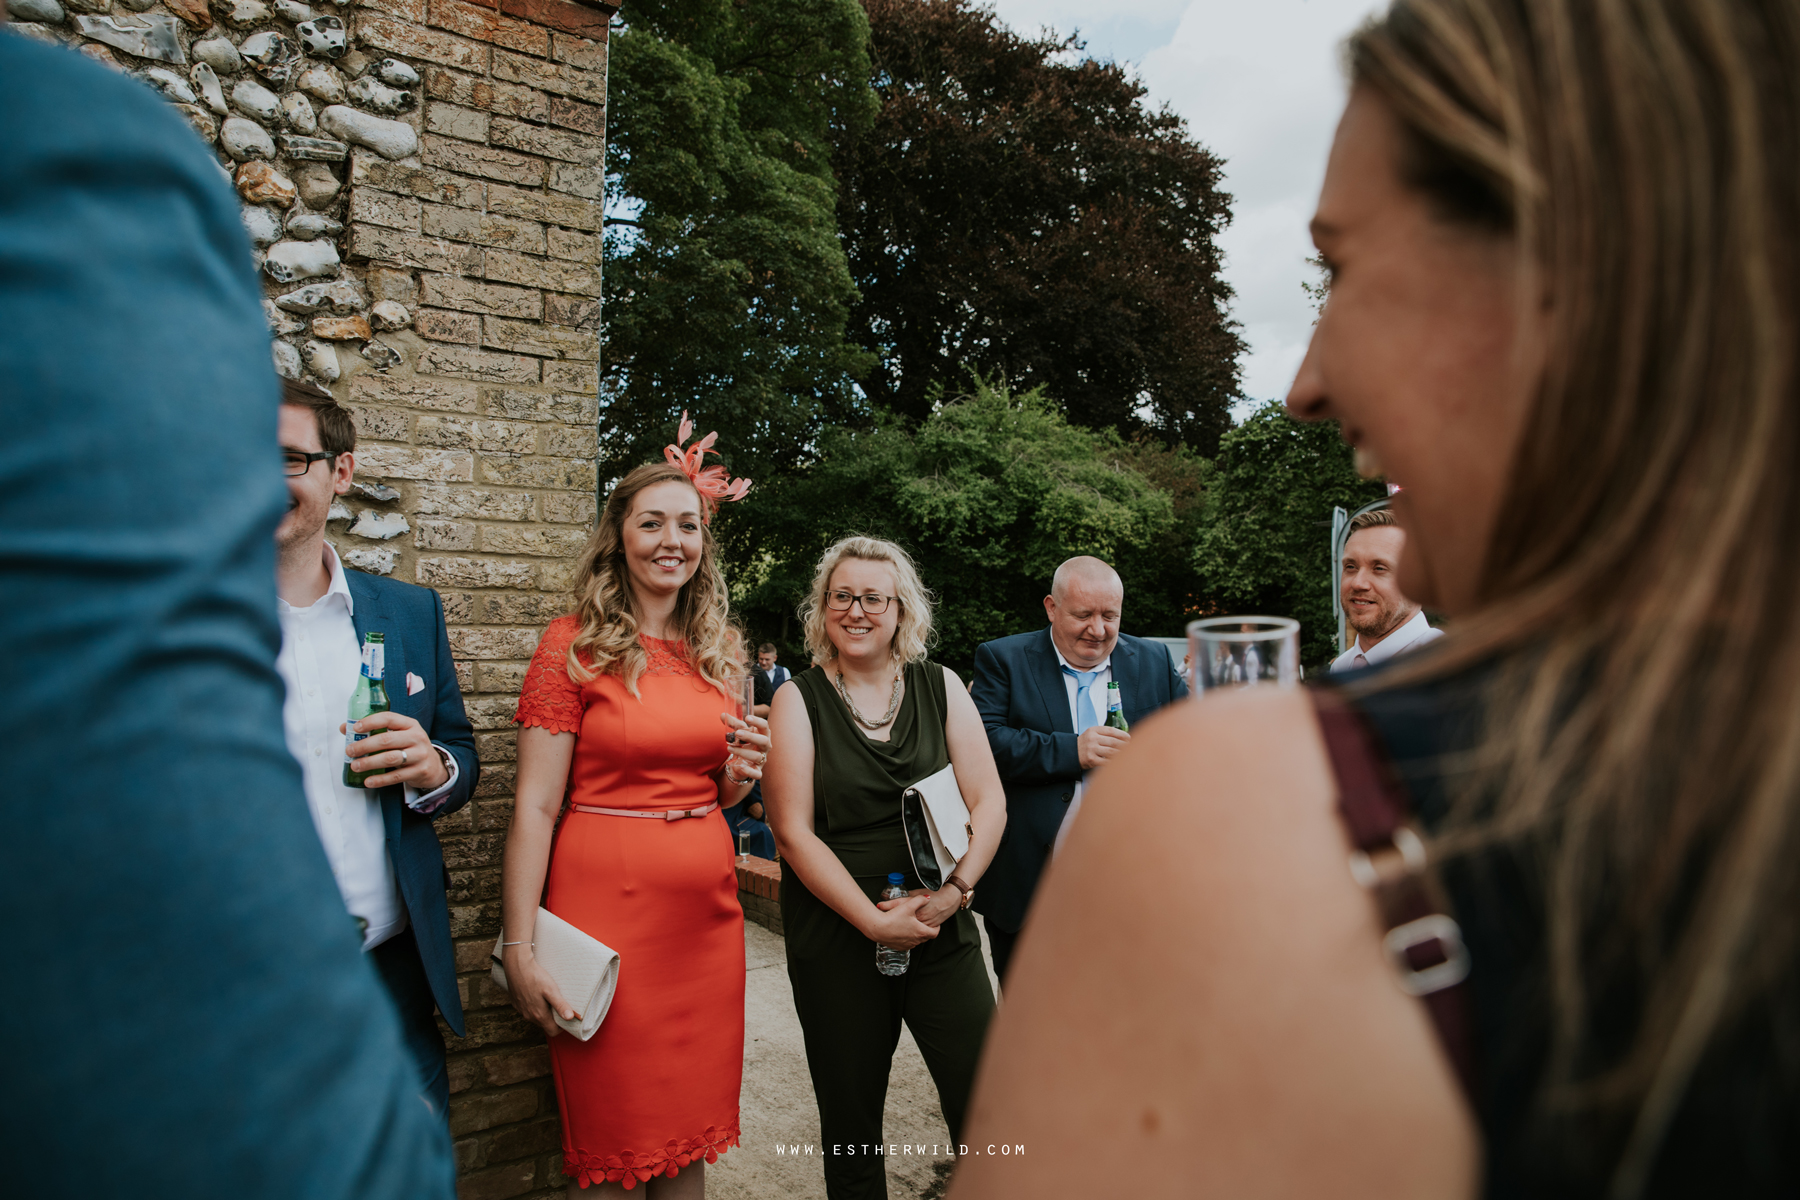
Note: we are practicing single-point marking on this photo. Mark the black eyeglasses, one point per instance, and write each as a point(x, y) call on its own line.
point(873, 603)
point(298, 463)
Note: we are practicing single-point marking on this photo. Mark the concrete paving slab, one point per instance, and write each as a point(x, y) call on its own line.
point(779, 1114)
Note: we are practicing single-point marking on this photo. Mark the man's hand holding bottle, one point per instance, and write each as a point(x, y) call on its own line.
point(398, 747)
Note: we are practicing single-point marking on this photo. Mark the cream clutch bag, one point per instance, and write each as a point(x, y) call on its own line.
point(585, 970)
point(936, 823)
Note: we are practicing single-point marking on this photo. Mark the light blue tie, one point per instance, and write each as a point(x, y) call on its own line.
point(1084, 700)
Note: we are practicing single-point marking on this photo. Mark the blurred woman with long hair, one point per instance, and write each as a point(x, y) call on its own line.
point(1564, 238)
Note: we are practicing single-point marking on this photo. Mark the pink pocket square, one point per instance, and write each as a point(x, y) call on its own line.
point(414, 685)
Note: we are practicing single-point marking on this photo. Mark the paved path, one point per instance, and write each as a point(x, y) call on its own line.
point(778, 1108)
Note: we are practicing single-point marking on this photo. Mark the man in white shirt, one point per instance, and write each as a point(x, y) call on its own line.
point(1385, 622)
point(1042, 697)
point(378, 839)
point(765, 662)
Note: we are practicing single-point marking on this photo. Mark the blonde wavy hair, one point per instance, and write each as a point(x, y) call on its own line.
point(912, 632)
point(608, 642)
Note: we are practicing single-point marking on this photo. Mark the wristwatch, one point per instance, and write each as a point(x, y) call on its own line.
point(967, 890)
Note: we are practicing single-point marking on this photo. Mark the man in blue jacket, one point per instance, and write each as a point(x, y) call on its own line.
point(191, 1016)
point(1042, 697)
point(378, 838)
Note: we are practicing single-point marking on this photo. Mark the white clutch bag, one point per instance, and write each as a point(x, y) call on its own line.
point(937, 827)
point(585, 969)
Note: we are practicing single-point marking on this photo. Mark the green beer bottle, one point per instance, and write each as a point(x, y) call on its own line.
point(1115, 710)
point(370, 696)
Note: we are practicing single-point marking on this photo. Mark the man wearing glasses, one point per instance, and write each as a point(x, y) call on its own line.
point(1042, 697)
point(379, 839)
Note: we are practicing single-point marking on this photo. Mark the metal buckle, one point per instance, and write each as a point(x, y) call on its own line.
point(677, 814)
point(1363, 866)
point(1433, 928)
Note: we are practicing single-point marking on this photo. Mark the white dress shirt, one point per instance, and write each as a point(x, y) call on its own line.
point(1414, 633)
point(1096, 692)
point(1096, 696)
point(320, 662)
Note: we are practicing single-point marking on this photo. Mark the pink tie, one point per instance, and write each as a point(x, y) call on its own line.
point(1359, 661)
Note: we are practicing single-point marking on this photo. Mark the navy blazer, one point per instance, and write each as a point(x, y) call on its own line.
point(1024, 703)
point(412, 621)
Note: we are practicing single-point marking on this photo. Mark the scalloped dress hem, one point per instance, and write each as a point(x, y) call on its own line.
point(631, 1168)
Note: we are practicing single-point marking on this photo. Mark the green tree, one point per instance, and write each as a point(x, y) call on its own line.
point(988, 494)
point(1163, 592)
point(726, 286)
point(1265, 548)
point(1031, 218)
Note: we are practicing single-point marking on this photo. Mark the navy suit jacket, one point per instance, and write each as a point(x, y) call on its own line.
point(1024, 703)
point(412, 621)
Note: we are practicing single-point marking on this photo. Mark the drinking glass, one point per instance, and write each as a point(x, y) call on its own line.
point(1242, 652)
point(746, 705)
point(743, 845)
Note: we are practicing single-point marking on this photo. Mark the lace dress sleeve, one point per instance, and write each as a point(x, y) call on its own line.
point(550, 699)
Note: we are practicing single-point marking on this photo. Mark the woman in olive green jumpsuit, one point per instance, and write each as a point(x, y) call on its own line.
point(871, 718)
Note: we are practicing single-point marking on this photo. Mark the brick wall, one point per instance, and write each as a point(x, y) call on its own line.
point(490, 237)
point(422, 180)
point(759, 891)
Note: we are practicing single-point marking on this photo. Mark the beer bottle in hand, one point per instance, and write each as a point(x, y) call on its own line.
point(370, 696)
point(1115, 710)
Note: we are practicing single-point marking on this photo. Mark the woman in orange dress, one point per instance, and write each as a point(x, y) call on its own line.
point(627, 707)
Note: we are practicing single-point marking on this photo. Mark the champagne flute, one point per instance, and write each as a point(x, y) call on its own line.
point(1243, 652)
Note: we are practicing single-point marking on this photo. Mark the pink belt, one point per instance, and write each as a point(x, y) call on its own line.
point(674, 814)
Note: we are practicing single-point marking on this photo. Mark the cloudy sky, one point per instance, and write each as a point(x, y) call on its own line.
point(1259, 84)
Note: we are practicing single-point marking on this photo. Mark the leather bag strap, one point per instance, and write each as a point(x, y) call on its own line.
point(1388, 858)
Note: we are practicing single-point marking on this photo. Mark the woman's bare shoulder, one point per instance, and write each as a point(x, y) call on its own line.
point(788, 712)
point(1200, 987)
point(1232, 774)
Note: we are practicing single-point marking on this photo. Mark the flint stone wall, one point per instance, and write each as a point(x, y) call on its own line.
point(422, 182)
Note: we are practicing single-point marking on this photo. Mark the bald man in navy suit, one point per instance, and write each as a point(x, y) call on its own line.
point(1042, 697)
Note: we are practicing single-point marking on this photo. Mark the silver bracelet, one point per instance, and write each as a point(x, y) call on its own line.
point(503, 945)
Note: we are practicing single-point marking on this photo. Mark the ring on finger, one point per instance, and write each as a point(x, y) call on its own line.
point(403, 756)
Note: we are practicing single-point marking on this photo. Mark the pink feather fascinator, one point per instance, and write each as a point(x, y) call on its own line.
point(714, 483)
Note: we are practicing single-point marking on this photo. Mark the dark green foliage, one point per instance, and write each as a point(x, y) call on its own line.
point(1266, 545)
point(1162, 593)
point(1005, 212)
point(1029, 218)
point(988, 494)
point(726, 286)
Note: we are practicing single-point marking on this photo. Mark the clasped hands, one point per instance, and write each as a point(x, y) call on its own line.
point(909, 921)
point(402, 751)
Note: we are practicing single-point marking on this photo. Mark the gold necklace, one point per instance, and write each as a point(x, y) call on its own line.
point(887, 718)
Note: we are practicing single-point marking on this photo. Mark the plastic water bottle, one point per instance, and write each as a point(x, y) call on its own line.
point(893, 962)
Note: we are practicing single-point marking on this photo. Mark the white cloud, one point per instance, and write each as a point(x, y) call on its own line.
point(1259, 84)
